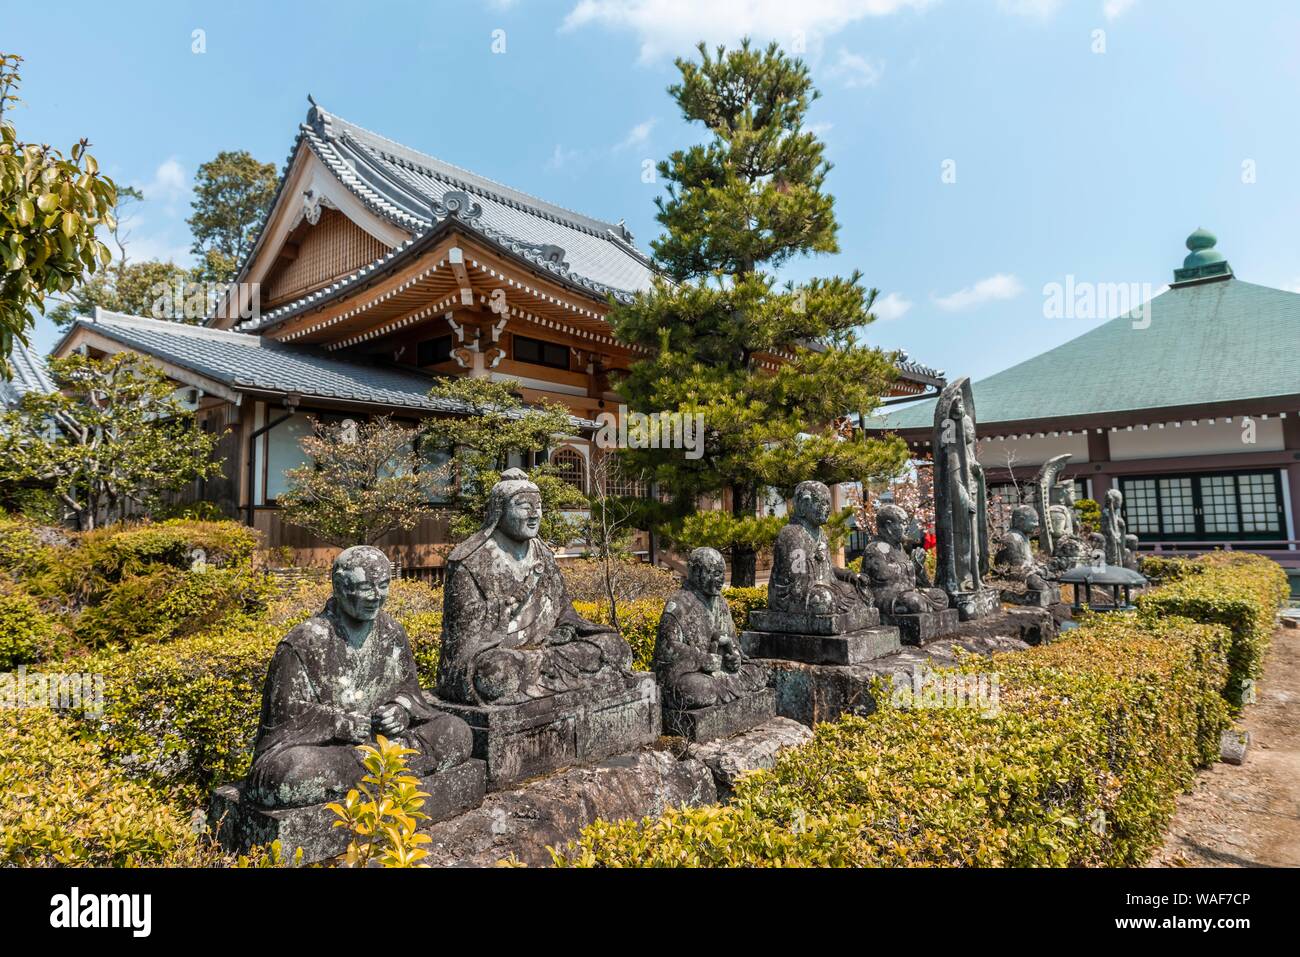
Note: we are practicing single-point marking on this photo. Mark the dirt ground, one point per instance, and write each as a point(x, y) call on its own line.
point(1249, 816)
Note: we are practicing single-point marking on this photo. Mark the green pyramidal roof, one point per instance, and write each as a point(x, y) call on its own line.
point(1220, 340)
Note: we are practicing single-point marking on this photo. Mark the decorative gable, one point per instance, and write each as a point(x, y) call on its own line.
point(324, 247)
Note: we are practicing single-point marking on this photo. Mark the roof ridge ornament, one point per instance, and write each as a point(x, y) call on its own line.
point(1203, 260)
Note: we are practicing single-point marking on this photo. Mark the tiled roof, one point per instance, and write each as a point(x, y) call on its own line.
point(1217, 341)
point(252, 363)
point(29, 375)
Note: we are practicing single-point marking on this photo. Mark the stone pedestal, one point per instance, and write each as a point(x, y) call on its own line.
point(976, 604)
point(721, 720)
point(802, 623)
point(239, 824)
point(810, 693)
point(852, 648)
point(525, 740)
point(924, 626)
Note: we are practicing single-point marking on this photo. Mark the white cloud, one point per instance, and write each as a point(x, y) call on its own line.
point(819, 130)
point(1113, 9)
point(637, 135)
point(169, 184)
point(1030, 8)
point(857, 71)
point(562, 158)
point(1000, 286)
point(892, 306)
point(673, 27)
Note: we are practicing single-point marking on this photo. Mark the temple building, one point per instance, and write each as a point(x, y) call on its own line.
point(377, 269)
point(1190, 405)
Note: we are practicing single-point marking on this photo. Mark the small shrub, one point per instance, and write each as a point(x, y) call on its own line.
point(585, 579)
point(27, 634)
point(743, 601)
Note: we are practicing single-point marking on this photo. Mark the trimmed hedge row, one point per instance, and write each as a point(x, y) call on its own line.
point(1093, 738)
point(1091, 741)
point(1239, 591)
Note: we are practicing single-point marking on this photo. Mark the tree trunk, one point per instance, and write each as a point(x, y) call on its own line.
point(744, 559)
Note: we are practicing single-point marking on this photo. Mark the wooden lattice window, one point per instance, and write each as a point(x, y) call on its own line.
point(570, 466)
point(621, 481)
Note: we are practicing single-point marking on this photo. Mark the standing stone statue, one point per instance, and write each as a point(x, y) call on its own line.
point(1112, 527)
point(510, 633)
point(961, 505)
point(698, 660)
point(898, 581)
point(336, 681)
point(1015, 560)
point(803, 580)
point(540, 686)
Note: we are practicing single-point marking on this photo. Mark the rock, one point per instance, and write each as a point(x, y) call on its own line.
point(849, 649)
point(917, 629)
point(552, 811)
point(751, 750)
point(1233, 746)
point(1033, 626)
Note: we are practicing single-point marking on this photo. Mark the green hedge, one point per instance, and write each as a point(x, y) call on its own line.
point(1242, 592)
point(1092, 740)
point(60, 804)
point(27, 634)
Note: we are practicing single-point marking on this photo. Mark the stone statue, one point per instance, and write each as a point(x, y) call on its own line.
point(338, 680)
point(1112, 527)
point(697, 658)
point(1131, 559)
point(897, 583)
point(510, 633)
point(803, 580)
point(1015, 559)
point(961, 505)
point(1055, 503)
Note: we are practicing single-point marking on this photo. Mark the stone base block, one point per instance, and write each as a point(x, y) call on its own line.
point(977, 604)
point(521, 823)
point(721, 720)
point(1233, 746)
point(801, 623)
point(809, 693)
point(536, 737)
point(850, 649)
point(750, 751)
point(239, 825)
point(1033, 598)
point(925, 626)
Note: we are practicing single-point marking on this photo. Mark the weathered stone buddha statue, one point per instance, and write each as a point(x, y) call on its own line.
point(336, 681)
point(892, 573)
point(898, 581)
point(1132, 560)
point(961, 504)
point(803, 580)
point(510, 633)
point(1015, 560)
point(1112, 527)
point(816, 613)
point(697, 658)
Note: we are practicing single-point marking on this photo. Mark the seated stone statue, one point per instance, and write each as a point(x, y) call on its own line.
point(336, 681)
point(1132, 560)
point(1015, 559)
point(509, 632)
point(803, 579)
point(892, 572)
point(697, 659)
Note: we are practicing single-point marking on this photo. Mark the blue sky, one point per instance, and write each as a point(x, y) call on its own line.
point(1068, 160)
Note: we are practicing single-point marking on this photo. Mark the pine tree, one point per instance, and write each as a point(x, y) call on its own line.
point(771, 365)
